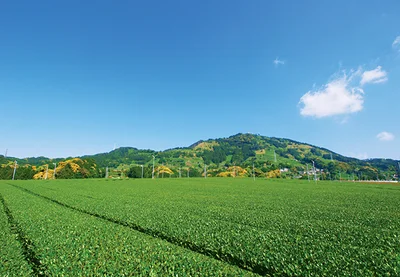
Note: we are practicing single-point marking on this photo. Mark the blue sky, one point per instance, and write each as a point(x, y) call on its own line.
point(78, 77)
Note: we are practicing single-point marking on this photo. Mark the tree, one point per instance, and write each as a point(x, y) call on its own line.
point(24, 173)
point(134, 172)
point(66, 172)
point(6, 172)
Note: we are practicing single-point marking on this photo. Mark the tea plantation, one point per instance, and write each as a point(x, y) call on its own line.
point(199, 227)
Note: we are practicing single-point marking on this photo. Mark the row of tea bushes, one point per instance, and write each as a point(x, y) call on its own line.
point(70, 243)
point(12, 259)
point(279, 229)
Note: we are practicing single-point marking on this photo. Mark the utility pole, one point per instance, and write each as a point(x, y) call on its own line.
point(315, 173)
point(54, 174)
point(107, 172)
point(142, 171)
point(398, 175)
point(254, 175)
point(47, 171)
point(152, 173)
point(15, 168)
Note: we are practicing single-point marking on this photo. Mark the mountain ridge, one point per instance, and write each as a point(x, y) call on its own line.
point(243, 150)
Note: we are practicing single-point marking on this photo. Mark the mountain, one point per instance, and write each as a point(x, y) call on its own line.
point(122, 155)
point(235, 155)
point(240, 151)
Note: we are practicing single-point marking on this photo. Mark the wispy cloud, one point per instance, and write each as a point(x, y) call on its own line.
point(362, 156)
point(396, 43)
point(277, 61)
point(341, 96)
point(385, 136)
point(344, 120)
point(374, 76)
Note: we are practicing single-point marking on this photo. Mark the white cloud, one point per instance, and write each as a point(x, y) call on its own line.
point(341, 96)
point(277, 61)
point(396, 43)
point(335, 98)
point(374, 76)
point(385, 136)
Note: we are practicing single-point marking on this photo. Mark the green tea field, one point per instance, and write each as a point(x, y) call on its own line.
point(199, 227)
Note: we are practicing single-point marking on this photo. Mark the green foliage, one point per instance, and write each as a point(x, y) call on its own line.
point(12, 260)
point(73, 243)
point(67, 173)
point(123, 155)
point(78, 168)
point(22, 172)
point(290, 228)
point(6, 172)
point(239, 150)
point(218, 155)
point(136, 172)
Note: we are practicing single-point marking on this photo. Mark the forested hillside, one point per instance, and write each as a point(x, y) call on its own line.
point(238, 155)
point(49, 169)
